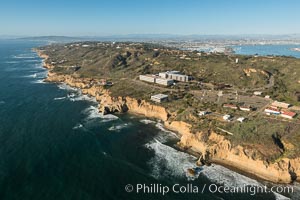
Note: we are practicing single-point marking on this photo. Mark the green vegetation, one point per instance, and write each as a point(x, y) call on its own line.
point(121, 63)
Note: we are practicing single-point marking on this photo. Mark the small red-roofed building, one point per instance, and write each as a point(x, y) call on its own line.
point(288, 114)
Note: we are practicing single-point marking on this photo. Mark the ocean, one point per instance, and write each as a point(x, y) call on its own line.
point(266, 50)
point(55, 145)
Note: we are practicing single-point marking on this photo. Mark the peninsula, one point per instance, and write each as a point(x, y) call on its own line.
point(240, 111)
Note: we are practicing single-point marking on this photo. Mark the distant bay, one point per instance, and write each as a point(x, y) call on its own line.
point(265, 50)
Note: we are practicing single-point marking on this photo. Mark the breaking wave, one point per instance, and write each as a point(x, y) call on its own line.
point(92, 112)
point(25, 56)
point(147, 121)
point(119, 127)
point(222, 175)
point(74, 97)
point(78, 126)
point(35, 75)
point(168, 162)
point(160, 126)
point(40, 81)
point(108, 117)
point(59, 98)
point(12, 62)
point(64, 86)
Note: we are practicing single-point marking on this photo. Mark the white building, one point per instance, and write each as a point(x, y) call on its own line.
point(281, 104)
point(227, 117)
point(175, 75)
point(270, 110)
point(148, 78)
point(156, 79)
point(159, 98)
point(241, 119)
point(163, 81)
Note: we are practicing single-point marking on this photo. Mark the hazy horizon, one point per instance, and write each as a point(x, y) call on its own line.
point(158, 35)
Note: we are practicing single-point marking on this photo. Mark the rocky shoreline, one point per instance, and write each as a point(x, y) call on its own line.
point(215, 148)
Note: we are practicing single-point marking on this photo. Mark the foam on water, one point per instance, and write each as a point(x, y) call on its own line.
point(39, 66)
point(168, 162)
point(59, 98)
point(296, 193)
point(227, 177)
point(281, 197)
point(108, 117)
point(12, 62)
point(160, 126)
point(92, 112)
point(147, 121)
point(40, 81)
point(119, 127)
point(31, 61)
point(30, 76)
point(82, 98)
point(78, 126)
point(42, 74)
point(76, 94)
point(25, 56)
point(64, 86)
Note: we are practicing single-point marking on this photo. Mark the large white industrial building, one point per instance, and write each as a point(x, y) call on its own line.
point(156, 79)
point(175, 75)
point(165, 78)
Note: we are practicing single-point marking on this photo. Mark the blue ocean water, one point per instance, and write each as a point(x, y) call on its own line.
point(55, 145)
point(276, 50)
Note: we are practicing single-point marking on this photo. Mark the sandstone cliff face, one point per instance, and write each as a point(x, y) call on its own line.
point(110, 104)
point(217, 148)
point(220, 150)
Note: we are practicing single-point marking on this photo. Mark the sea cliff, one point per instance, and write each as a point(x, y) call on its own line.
point(215, 147)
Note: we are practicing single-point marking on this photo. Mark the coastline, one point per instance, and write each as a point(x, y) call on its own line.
point(217, 149)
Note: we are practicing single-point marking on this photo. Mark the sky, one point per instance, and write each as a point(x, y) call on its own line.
point(121, 17)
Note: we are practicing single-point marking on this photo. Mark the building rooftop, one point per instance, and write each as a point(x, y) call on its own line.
point(281, 104)
point(273, 109)
point(173, 72)
point(160, 96)
point(288, 113)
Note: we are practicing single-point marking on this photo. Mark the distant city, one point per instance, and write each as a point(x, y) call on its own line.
point(215, 43)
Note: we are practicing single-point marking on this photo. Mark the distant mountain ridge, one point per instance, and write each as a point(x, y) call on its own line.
point(159, 37)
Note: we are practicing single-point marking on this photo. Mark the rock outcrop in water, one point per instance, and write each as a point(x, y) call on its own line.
point(215, 148)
